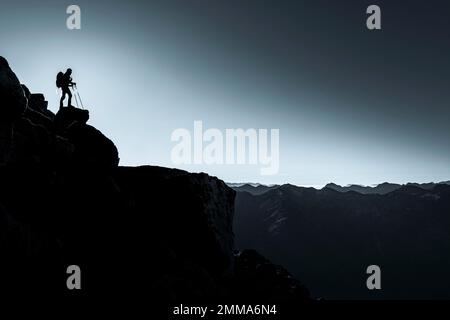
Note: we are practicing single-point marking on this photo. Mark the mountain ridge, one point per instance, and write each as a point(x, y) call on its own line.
point(382, 188)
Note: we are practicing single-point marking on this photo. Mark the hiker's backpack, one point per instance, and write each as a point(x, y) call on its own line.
point(60, 79)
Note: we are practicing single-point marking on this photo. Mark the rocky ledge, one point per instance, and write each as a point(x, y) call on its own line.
point(134, 231)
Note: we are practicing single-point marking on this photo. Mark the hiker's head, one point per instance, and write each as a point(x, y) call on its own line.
point(69, 71)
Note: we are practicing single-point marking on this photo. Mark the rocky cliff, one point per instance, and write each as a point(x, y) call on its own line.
point(134, 231)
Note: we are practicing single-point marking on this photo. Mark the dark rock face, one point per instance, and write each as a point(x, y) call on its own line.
point(69, 115)
point(12, 95)
point(152, 232)
point(207, 235)
point(92, 148)
point(34, 146)
point(258, 278)
point(185, 230)
point(39, 118)
point(37, 102)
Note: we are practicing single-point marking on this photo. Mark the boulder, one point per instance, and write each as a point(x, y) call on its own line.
point(66, 116)
point(12, 96)
point(92, 148)
point(37, 103)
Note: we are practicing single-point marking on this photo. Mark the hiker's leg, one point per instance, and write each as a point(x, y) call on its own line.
point(70, 97)
point(61, 102)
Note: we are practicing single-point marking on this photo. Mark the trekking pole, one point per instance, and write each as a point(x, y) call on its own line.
point(79, 97)
point(76, 100)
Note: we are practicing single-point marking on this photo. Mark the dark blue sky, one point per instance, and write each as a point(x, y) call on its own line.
point(352, 106)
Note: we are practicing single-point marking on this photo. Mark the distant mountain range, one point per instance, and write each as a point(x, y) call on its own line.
point(328, 237)
point(383, 188)
point(253, 188)
point(379, 189)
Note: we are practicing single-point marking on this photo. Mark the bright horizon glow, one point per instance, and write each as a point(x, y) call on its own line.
point(345, 114)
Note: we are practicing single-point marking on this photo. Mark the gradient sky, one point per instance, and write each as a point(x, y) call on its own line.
point(352, 105)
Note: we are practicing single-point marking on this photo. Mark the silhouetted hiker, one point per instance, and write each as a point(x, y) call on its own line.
point(64, 81)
